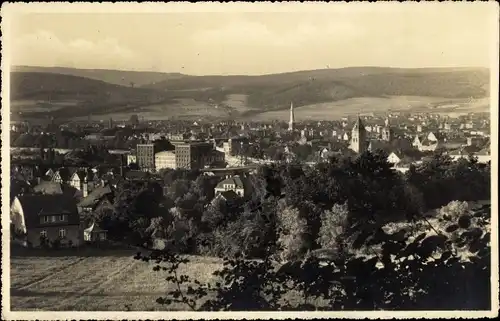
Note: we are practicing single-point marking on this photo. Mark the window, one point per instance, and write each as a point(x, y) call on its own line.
point(62, 233)
point(43, 233)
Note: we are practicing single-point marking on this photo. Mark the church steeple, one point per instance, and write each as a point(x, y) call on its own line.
point(358, 137)
point(386, 131)
point(292, 118)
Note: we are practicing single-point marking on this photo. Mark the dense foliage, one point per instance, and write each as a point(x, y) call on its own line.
point(349, 234)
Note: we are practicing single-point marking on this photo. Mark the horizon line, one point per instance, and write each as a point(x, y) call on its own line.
point(250, 75)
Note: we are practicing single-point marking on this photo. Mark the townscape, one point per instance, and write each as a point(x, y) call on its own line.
point(225, 208)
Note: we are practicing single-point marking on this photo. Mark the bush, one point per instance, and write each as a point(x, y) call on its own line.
point(454, 210)
point(333, 226)
point(291, 234)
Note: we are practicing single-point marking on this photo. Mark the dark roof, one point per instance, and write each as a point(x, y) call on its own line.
point(358, 125)
point(53, 188)
point(401, 144)
point(230, 195)
point(95, 196)
point(24, 140)
point(48, 188)
point(66, 172)
point(380, 145)
point(35, 206)
point(136, 175)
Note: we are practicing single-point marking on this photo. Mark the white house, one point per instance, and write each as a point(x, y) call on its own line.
point(234, 183)
point(50, 173)
point(483, 156)
point(131, 159)
point(393, 158)
point(83, 181)
point(56, 178)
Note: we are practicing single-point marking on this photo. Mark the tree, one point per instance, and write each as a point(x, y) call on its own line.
point(291, 230)
point(333, 227)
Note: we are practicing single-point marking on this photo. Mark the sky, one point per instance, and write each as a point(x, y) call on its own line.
point(269, 40)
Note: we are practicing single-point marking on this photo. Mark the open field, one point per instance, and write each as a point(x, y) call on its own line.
point(100, 283)
point(37, 106)
point(337, 109)
point(235, 106)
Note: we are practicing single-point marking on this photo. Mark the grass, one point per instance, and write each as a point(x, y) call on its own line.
point(94, 283)
point(335, 110)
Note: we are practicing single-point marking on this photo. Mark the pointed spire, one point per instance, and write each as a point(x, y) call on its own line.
point(292, 117)
point(359, 124)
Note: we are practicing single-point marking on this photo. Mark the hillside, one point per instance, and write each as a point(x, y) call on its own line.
point(117, 77)
point(176, 95)
point(309, 87)
point(65, 95)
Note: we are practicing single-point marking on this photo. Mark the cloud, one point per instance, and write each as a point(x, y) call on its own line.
point(45, 48)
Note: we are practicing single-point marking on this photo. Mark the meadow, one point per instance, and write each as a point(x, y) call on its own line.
point(94, 283)
point(337, 109)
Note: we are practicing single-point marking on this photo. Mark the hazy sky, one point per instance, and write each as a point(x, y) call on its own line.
point(257, 42)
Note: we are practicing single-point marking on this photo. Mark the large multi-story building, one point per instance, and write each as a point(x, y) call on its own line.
point(192, 155)
point(165, 159)
point(145, 156)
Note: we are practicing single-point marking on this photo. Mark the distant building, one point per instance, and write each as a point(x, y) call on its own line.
point(358, 137)
point(234, 184)
point(84, 181)
point(387, 132)
point(234, 145)
point(292, 118)
point(165, 159)
point(145, 155)
point(193, 155)
point(131, 159)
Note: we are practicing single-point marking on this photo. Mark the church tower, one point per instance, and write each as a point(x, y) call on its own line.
point(292, 118)
point(386, 131)
point(358, 137)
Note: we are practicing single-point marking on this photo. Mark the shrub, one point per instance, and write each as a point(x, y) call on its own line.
point(291, 234)
point(333, 226)
point(454, 210)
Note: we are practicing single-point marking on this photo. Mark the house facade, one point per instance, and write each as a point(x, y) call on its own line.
point(47, 219)
point(234, 184)
point(84, 181)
